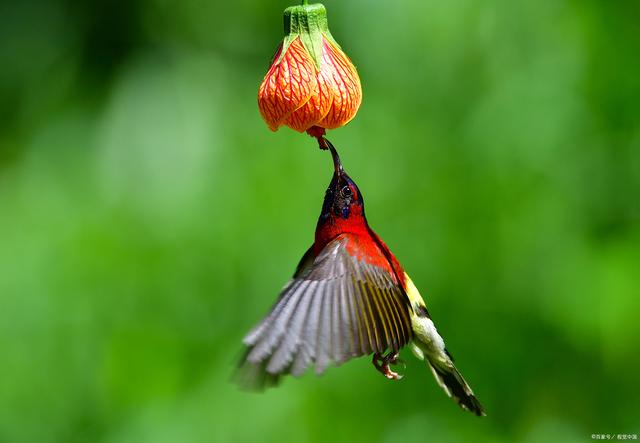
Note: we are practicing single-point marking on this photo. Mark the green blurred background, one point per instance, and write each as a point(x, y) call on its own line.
point(148, 218)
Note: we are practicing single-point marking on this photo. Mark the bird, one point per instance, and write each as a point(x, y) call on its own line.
point(349, 297)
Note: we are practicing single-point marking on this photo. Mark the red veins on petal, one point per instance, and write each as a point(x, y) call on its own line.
point(295, 94)
point(315, 109)
point(345, 86)
point(288, 85)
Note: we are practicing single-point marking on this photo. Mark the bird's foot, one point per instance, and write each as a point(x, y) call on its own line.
point(382, 362)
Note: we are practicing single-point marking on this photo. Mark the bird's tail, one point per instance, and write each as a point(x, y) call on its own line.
point(450, 379)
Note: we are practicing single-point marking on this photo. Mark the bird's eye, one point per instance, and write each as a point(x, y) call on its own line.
point(345, 191)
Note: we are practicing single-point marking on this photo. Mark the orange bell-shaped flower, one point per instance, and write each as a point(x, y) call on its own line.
point(311, 83)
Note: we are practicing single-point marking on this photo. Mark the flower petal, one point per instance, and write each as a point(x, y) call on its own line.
point(345, 86)
point(315, 109)
point(288, 85)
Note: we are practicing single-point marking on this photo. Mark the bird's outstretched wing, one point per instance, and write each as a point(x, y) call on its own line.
point(337, 306)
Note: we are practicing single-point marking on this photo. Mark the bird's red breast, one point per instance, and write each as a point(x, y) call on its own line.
point(364, 244)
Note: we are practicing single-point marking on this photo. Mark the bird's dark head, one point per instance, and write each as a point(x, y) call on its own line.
point(342, 200)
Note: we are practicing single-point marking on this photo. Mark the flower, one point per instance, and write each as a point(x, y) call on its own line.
point(311, 83)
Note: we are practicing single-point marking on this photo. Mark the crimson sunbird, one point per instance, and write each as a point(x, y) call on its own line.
point(349, 297)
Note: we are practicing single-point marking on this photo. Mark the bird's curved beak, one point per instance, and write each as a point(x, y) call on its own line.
point(336, 158)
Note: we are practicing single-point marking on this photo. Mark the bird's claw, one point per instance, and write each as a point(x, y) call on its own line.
point(382, 362)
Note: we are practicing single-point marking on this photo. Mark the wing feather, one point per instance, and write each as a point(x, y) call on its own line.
point(262, 346)
point(383, 319)
point(308, 335)
point(350, 331)
point(258, 332)
point(324, 340)
point(283, 356)
point(395, 332)
point(336, 307)
point(277, 328)
point(374, 337)
point(358, 311)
